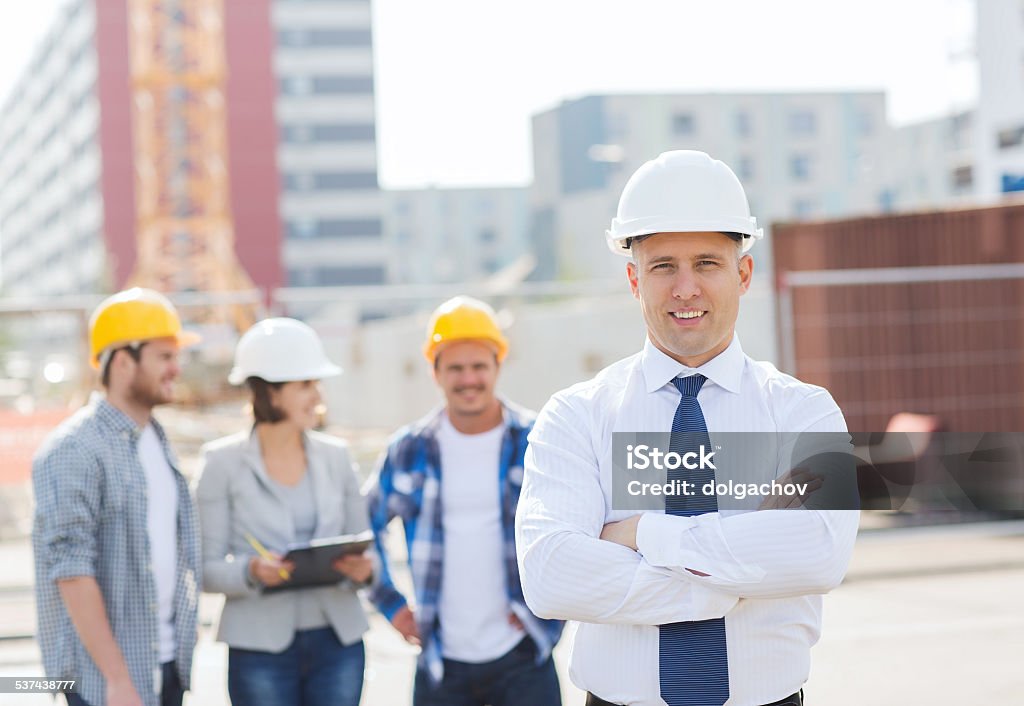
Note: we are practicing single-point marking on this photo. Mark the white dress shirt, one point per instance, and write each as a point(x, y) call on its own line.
point(767, 569)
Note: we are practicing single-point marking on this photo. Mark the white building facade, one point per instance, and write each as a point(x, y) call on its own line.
point(1000, 112)
point(331, 205)
point(927, 165)
point(51, 208)
point(799, 155)
point(452, 235)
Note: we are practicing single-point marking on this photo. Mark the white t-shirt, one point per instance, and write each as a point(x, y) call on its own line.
point(162, 523)
point(474, 608)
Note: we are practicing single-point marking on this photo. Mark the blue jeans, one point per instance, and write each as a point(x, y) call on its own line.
point(512, 680)
point(170, 695)
point(316, 669)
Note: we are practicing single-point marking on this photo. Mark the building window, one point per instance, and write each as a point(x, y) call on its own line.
point(485, 206)
point(325, 38)
point(802, 123)
point(960, 131)
point(304, 228)
point(683, 124)
point(1011, 137)
point(296, 134)
point(334, 228)
point(886, 200)
point(326, 85)
point(297, 86)
point(865, 123)
point(745, 168)
point(302, 278)
point(742, 124)
point(343, 133)
point(800, 167)
point(617, 126)
point(487, 235)
point(963, 177)
point(330, 181)
point(803, 208)
point(337, 276)
point(292, 38)
point(342, 84)
point(301, 181)
point(1012, 183)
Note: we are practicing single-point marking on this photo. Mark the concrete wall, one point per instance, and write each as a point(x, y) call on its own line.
point(387, 381)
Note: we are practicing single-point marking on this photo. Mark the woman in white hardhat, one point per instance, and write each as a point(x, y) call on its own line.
point(260, 491)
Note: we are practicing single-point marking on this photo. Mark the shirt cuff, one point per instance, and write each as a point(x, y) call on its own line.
point(658, 537)
point(696, 543)
point(252, 584)
point(70, 568)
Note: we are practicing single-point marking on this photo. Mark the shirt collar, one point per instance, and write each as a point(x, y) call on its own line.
point(725, 369)
point(121, 422)
point(513, 416)
point(112, 416)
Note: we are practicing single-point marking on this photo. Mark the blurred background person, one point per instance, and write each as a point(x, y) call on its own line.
point(454, 478)
point(282, 483)
point(115, 537)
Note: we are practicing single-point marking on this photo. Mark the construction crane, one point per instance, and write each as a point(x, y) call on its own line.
point(184, 231)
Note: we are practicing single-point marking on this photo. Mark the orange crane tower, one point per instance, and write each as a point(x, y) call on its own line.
point(184, 232)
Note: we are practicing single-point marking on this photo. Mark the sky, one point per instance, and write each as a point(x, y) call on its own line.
point(457, 81)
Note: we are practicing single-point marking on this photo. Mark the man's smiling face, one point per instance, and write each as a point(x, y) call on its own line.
point(689, 286)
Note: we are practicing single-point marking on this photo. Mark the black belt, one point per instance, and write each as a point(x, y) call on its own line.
point(796, 699)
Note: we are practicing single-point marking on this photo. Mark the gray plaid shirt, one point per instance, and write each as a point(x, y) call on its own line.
point(90, 520)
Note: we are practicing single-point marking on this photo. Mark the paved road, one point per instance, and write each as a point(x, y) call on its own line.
point(930, 617)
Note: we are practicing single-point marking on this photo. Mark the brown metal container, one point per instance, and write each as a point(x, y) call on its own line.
point(908, 313)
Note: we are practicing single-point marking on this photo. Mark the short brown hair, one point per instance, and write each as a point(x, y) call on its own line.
point(134, 351)
point(262, 408)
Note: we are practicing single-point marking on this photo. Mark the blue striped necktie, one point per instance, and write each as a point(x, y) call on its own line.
point(693, 664)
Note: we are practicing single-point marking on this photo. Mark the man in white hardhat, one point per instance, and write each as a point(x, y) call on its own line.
point(453, 478)
point(690, 607)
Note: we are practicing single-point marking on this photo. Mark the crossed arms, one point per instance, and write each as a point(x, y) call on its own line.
point(685, 568)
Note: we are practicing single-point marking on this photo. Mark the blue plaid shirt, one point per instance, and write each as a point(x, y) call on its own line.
point(408, 485)
point(90, 520)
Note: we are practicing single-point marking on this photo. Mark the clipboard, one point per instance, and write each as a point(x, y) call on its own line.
point(313, 560)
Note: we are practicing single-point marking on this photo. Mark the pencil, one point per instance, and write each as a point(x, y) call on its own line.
point(262, 551)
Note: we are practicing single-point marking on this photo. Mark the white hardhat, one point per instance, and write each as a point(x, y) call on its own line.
point(281, 350)
point(683, 191)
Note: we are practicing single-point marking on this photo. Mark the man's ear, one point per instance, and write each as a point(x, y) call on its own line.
point(633, 276)
point(121, 361)
point(435, 367)
point(746, 272)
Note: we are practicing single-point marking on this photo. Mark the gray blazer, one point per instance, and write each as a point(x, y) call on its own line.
point(235, 497)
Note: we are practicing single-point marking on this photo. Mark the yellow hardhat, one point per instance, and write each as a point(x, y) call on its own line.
point(135, 314)
point(460, 319)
